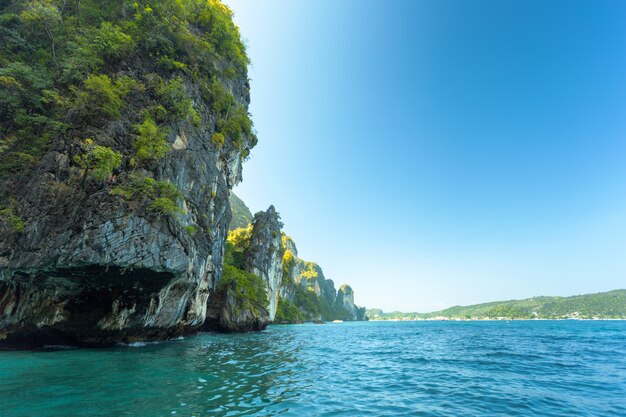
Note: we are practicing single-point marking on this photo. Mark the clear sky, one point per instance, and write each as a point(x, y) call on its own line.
point(441, 152)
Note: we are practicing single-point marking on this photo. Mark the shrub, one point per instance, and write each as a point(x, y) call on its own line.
point(217, 139)
point(98, 161)
point(111, 41)
point(11, 221)
point(235, 124)
point(103, 97)
point(163, 205)
point(248, 289)
point(307, 300)
point(240, 238)
point(309, 271)
point(137, 187)
point(160, 197)
point(288, 262)
point(233, 255)
point(92, 47)
point(175, 97)
point(151, 142)
point(222, 34)
point(221, 99)
point(287, 312)
point(101, 91)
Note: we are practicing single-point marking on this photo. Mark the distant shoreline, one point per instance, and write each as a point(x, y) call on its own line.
point(610, 305)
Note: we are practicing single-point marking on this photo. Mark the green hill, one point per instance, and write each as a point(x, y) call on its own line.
point(607, 305)
point(241, 213)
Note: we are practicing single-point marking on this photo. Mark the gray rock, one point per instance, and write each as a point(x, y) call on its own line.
point(345, 299)
point(92, 269)
point(264, 256)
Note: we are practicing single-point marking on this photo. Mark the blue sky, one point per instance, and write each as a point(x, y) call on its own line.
point(443, 152)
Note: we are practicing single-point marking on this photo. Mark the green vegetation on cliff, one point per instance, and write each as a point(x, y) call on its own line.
point(112, 82)
point(608, 305)
point(248, 288)
point(10, 222)
point(242, 216)
point(311, 294)
point(304, 293)
point(288, 312)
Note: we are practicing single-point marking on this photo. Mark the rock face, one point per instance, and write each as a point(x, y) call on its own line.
point(87, 265)
point(91, 268)
point(264, 256)
point(88, 269)
point(345, 299)
point(260, 254)
point(299, 286)
point(228, 312)
point(302, 279)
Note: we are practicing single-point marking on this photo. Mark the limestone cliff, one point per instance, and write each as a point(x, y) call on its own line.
point(297, 290)
point(264, 256)
point(345, 299)
point(112, 226)
point(253, 267)
point(305, 287)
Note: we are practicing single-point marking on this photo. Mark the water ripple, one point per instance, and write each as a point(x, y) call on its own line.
point(371, 369)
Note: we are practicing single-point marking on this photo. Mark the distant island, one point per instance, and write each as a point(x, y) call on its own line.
point(604, 305)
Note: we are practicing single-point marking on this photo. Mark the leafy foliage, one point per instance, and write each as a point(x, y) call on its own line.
point(151, 142)
point(248, 289)
point(309, 270)
point(102, 99)
point(218, 139)
point(10, 221)
point(98, 161)
point(175, 97)
point(234, 122)
point(234, 255)
point(289, 261)
point(240, 238)
point(307, 301)
point(159, 197)
point(77, 69)
point(287, 312)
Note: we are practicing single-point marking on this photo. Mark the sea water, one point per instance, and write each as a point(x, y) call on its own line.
point(543, 368)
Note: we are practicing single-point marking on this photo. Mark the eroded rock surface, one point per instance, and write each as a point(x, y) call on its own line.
point(264, 256)
point(89, 262)
point(262, 253)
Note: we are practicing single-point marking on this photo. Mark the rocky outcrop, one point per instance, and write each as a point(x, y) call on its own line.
point(306, 288)
point(229, 312)
point(93, 268)
point(264, 256)
point(259, 259)
point(345, 299)
point(297, 290)
point(149, 277)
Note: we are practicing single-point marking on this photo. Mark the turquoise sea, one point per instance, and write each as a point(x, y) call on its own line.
point(542, 368)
